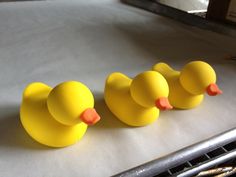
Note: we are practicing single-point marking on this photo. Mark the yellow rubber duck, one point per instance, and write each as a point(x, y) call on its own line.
point(137, 102)
point(188, 85)
point(57, 117)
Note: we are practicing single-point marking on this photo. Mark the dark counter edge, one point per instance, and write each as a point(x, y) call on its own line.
point(183, 16)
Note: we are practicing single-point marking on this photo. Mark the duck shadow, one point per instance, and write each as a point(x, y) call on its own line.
point(12, 133)
point(108, 119)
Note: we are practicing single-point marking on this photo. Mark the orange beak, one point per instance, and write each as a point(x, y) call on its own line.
point(90, 116)
point(163, 104)
point(213, 90)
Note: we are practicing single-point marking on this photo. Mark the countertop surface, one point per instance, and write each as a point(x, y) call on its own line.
point(55, 41)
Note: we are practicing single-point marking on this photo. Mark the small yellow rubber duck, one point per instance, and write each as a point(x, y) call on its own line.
point(57, 117)
point(188, 86)
point(137, 102)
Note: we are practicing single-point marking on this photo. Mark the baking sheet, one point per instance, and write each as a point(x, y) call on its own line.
point(55, 41)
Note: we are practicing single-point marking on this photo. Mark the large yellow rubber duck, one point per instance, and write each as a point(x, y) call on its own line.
point(137, 102)
point(57, 117)
point(188, 85)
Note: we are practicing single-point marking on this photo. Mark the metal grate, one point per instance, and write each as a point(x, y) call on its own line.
point(220, 157)
point(218, 151)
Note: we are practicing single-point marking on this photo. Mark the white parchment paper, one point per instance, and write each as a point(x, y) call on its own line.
point(55, 41)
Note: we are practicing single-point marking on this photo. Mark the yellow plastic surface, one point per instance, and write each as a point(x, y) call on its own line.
point(74, 98)
point(133, 101)
point(196, 76)
point(187, 86)
point(51, 116)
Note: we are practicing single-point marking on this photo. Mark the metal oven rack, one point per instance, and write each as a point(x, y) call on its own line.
point(216, 151)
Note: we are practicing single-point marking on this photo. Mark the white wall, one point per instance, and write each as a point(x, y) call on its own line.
point(186, 5)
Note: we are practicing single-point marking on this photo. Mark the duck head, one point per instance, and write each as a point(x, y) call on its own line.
point(198, 77)
point(150, 89)
point(72, 102)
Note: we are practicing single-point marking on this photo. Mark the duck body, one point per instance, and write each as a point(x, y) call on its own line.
point(37, 115)
point(118, 97)
point(187, 87)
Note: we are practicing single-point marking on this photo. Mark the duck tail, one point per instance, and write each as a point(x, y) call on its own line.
point(116, 79)
point(163, 69)
point(33, 88)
